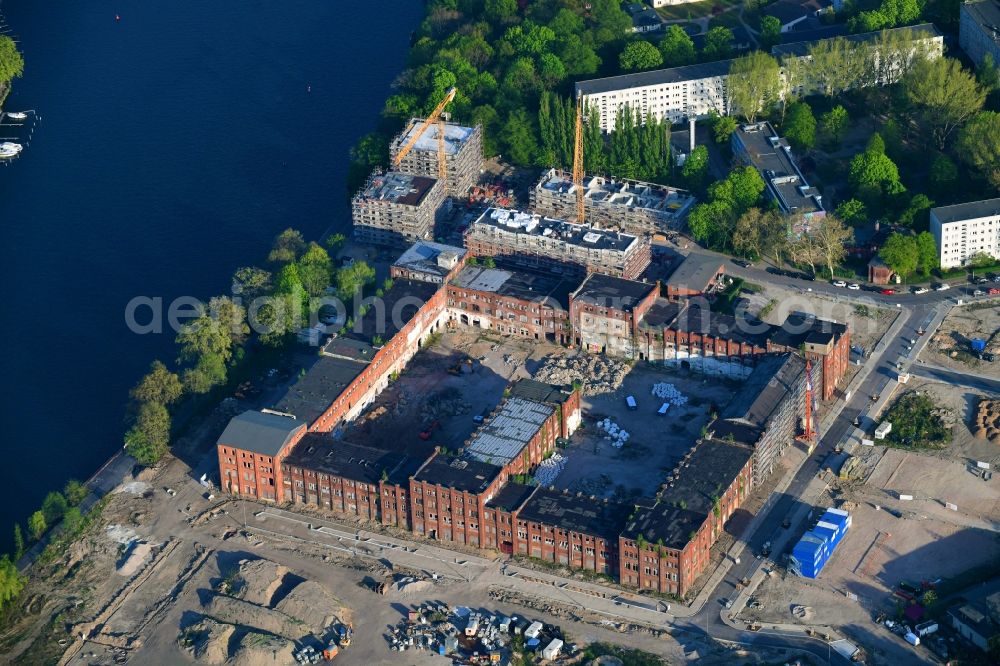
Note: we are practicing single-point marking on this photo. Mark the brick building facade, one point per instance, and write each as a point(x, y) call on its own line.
point(250, 450)
point(605, 313)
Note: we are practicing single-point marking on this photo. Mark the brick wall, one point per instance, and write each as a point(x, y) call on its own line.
point(252, 474)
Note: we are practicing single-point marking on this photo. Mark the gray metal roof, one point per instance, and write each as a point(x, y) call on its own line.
point(259, 432)
point(505, 435)
point(967, 211)
point(926, 30)
point(696, 271)
point(654, 78)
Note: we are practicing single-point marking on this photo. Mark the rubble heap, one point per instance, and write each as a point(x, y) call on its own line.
point(596, 374)
point(987, 424)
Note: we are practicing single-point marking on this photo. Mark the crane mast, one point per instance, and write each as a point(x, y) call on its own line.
point(578, 161)
point(435, 118)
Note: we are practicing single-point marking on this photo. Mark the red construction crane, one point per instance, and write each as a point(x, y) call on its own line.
point(808, 433)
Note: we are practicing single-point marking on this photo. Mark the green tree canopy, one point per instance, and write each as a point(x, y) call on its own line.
point(677, 47)
point(287, 247)
point(11, 61)
point(943, 173)
point(640, 55)
point(158, 385)
point(149, 437)
point(833, 124)
point(978, 146)
point(519, 136)
point(695, 168)
point(900, 253)
point(315, 269)
point(927, 253)
point(718, 44)
point(500, 11)
point(250, 282)
point(945, 92)
point(37, 525)
point(352, 279)
point(754, 83)
point(11, 582)
point(723, 128)
point(800, 126)
point(207, 373)
point(54, 506)
point(75, 492)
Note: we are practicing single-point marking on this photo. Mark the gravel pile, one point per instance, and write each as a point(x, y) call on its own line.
point(597, 374)
point(550, 469)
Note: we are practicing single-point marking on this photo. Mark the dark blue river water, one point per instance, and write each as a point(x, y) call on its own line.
point(173, 145)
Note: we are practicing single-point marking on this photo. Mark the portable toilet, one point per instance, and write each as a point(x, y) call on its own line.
point(551, 650)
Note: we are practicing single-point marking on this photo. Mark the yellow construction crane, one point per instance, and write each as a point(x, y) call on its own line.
point(578, 161)
point(433, 118)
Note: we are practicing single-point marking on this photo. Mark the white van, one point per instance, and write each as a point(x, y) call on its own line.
point(631, 403)
point(664, 408)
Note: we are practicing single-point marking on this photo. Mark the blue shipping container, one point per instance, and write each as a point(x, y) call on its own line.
point(816, 546)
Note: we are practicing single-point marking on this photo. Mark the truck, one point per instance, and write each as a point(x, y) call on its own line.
point(926, 628)
point(631, 403)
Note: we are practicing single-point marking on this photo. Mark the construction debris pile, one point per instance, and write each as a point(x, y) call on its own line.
point(987, 424)
point(474, 637)
point(549, 469)
point(596, 374)
point(443, 404)
point(669, 393)
point(616, 433)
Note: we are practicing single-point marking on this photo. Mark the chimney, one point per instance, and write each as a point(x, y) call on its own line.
point(691, 134)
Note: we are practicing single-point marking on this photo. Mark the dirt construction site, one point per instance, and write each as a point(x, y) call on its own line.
point(951, 345)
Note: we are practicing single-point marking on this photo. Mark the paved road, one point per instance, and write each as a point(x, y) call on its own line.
point(971, 380)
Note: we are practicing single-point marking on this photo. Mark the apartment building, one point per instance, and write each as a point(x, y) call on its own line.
point(966, 230)
point(528, 304)
point(396, 208)
point(631, 206)
point(979, 30)
point(697, 91)
point(463, 149)
point(536, 242)
point(666, 547)
point(758, 145)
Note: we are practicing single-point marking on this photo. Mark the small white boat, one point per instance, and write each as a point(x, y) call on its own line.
point(9, 149)
point(17, 115)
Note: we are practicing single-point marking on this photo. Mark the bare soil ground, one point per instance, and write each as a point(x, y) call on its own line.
point(950, 345)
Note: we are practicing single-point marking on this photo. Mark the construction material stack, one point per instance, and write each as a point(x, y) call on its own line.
point(816, 546)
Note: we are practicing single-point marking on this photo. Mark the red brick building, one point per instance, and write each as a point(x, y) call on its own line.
point(519, 303)
point(426, 261)
point(250, 450)
point(605, 313)
point(697, 275)
point(666, 547)
point(826, 344)
point(572, 530)
point(449, 497)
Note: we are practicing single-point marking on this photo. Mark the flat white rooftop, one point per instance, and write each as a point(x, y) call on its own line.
point(505, 436)
point(454, 137)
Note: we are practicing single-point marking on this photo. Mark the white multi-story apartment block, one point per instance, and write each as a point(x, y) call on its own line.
point(965, 230)
point(979, 30)
point(696, 91)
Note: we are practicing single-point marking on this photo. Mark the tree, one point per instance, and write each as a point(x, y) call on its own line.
point(943, 172)
point(800, 127)
point(54, 506)
point(834, 65)
point(287, 247)
point(334, 242)
point(500, 11)
point(638, 56)
point(770, 32)
point(11, 61)
point(917, 213)
point(149, 437)
point(978, 146)
point(350, 280)
point(608, 22)
point(72, 520)
point(580, 58)
point(774, 236)
point(748, 237)
point(832, 238)
point(695, 168)
point(207, 373)
point(11, 581)
point(946, 93)
point(677, 47)
point(75, 492)
point(718, 44)
point(929, 598)
point(852, 212)
point(741, 189)
point(754, 84)
point(833, 124)
point(250, 282)
point(806, 250)
point(18, 542)
point(159, 385)
point(723, 128)
point(529, 38)
point(519, 135)
point(900, 253)
point(987, 74)
point(315, 268)
point(37, 525)
point(216, 331)
point(551, 69)
point(873, 168)
point(927, 253)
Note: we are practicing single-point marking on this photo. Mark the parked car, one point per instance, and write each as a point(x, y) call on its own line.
point(921, 290)
point(978, 292)
point(982, 280)
point(889, 292)
point(839, 283)
point(742, 263)
point(854, 286)
point(944, 286)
